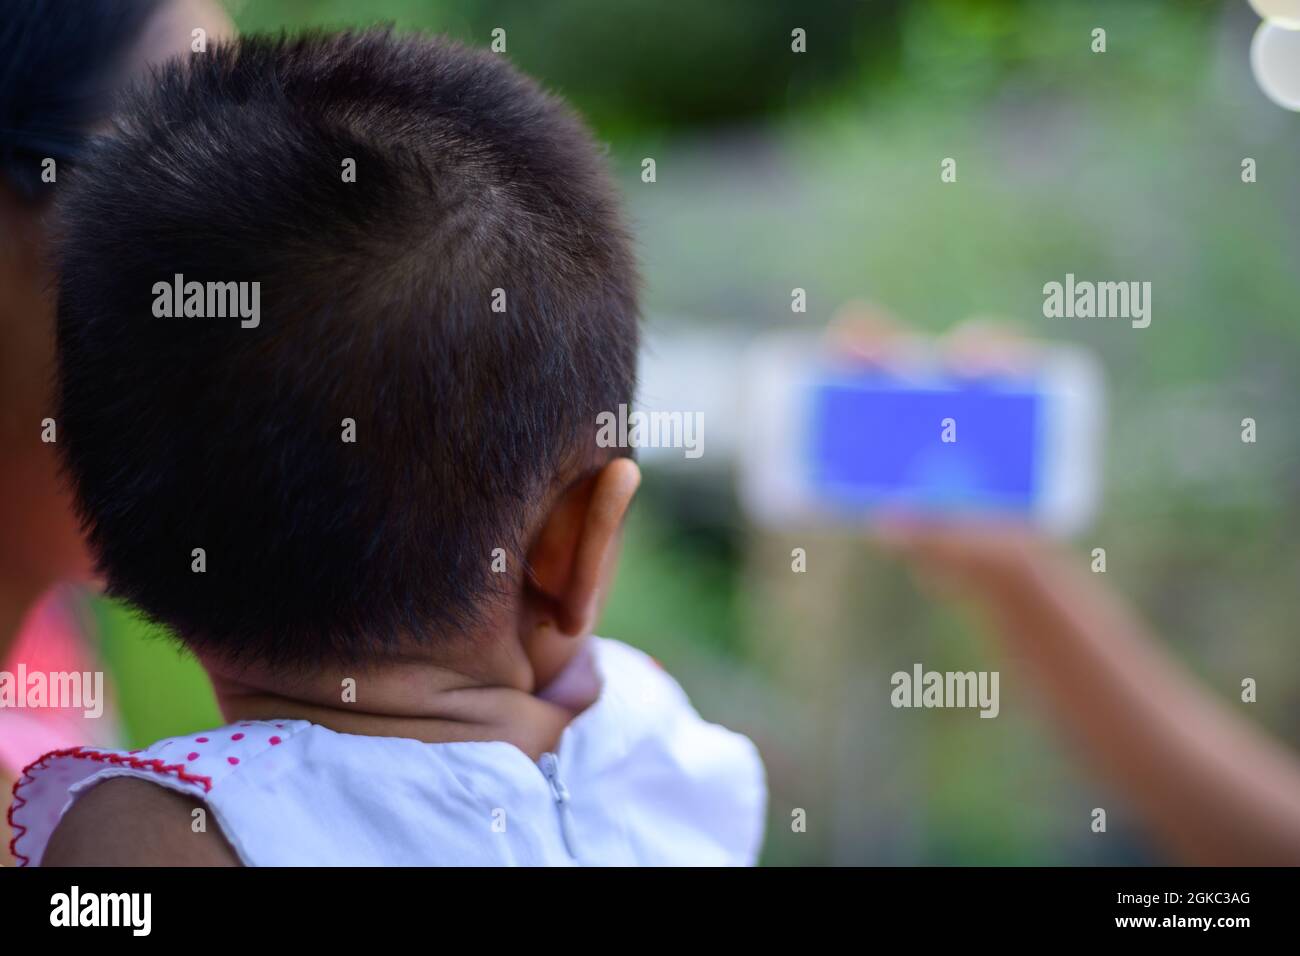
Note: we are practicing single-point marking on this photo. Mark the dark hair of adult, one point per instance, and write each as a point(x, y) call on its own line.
point(57, 69)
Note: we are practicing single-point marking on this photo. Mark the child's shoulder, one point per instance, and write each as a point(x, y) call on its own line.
point(138, 805)
point(126, 821)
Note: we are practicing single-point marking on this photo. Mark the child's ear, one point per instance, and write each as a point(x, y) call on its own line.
point(578, 543)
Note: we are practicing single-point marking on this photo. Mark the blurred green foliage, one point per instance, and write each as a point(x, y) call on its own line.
point(638, 65)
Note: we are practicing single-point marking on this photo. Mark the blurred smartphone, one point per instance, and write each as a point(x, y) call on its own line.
point(831, 441)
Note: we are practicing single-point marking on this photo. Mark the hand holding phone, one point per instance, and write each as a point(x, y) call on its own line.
point(914, 432)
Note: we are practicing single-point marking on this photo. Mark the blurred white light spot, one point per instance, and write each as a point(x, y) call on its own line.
point(1285, 13)
point(1275, 60)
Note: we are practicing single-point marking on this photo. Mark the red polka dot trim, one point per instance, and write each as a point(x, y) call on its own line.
point(81, 753)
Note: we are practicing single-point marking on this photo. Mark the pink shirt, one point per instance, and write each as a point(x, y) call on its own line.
point(53, 639)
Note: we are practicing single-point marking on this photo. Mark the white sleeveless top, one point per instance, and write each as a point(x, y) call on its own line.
point(639, 778)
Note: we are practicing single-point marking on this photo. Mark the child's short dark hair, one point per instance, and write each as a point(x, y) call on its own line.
point(381, 298)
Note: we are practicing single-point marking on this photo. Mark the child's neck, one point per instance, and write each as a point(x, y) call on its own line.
point(411, 697)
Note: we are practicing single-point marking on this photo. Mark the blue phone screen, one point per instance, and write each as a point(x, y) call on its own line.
point(878, 441)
